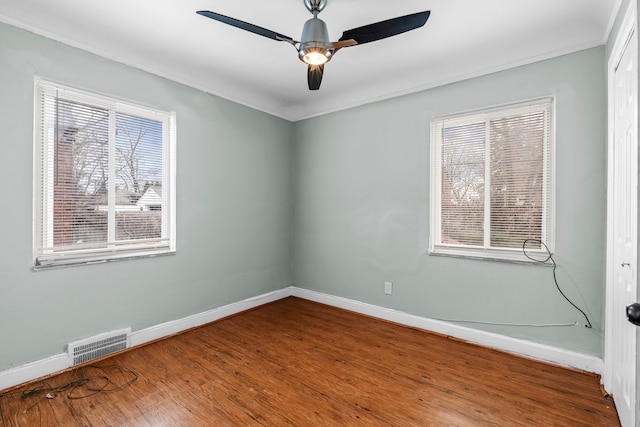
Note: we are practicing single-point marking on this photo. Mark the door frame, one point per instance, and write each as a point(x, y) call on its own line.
point(628, 27)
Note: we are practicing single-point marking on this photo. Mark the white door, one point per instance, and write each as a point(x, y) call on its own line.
point(623, 225)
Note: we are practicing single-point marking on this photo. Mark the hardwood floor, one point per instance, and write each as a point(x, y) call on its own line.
point(295, 362)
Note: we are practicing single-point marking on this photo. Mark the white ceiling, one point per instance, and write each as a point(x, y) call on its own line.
point(461, 39)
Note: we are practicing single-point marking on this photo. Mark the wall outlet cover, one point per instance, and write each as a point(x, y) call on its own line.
point(388, 288)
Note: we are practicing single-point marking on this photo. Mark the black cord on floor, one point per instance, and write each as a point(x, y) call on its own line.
point(555, 279)
point(100, 381)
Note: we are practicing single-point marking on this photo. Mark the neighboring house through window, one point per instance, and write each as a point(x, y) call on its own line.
point(492, 182)
point(104, 178)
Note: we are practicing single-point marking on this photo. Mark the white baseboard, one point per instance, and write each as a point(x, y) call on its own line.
point(59, 362)
point(33, 370)
point(50, 365)
point(175, 326)
point(501, 342)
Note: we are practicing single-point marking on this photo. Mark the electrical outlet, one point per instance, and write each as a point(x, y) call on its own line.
point(388, 288)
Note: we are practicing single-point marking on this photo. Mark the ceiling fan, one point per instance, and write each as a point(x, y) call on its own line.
point(314, 47)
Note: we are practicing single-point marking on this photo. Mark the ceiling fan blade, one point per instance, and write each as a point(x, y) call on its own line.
point(343, 43)
point(246, 26)
point(314, 76)
point(390, 27)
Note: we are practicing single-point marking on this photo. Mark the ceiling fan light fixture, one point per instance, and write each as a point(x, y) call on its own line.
point(315, 55)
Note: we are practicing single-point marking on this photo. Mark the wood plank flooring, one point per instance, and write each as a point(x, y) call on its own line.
point(298, 363)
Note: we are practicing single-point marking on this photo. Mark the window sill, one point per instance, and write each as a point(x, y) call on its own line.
point(61, 261)
point(516, 256)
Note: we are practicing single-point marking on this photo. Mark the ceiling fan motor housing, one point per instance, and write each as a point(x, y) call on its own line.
point(315, 37)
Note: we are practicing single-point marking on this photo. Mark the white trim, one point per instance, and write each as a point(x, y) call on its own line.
point(40, 368)
point(264, 105)
point(175, 326)
point(626, 29)
point(296, 113)
point(612, 20)
point(463, 76)
point(59, 362)
point(171, 171)
point(32, 370)
point(529, 349)
point(438, 124)
point(46, 253)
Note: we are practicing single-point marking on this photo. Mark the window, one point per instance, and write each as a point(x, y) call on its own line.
point(104, 178)
point(491, 182)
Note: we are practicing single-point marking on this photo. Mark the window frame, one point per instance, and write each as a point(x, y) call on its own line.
point(47, 257)
point(436, 246)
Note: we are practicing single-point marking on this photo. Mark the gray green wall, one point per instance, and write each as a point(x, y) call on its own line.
point(361, 197)
point(234, 208)
point(354, 215)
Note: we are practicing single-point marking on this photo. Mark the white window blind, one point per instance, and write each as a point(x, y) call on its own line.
point(491, 183)
point(104, 178)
